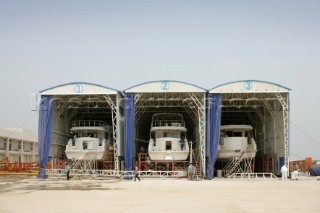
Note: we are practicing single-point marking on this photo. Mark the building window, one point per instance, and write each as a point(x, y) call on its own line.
point(19, 145)
point(31, 147)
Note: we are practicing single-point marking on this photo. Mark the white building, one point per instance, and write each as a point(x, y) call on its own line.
point(18, 144)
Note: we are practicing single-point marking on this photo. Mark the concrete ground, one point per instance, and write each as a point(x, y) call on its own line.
point(28, 194)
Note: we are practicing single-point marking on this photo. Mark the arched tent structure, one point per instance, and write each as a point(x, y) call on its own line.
point(265, 106)
point(165, 96)
point(62, 104)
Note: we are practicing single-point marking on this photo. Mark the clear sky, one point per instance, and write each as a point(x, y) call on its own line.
point(123, 43)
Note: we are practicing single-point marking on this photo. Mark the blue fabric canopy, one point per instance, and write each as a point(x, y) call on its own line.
point(214, 120)
point(128, 130)
point(44, 133)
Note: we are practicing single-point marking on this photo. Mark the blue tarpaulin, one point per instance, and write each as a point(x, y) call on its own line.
point(44, 133)
point(214, 118)
point(128, 130)
point(314, 170)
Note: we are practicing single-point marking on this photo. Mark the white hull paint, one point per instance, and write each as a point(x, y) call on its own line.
point(165, 155)
point(89, 141)
point(233, 145)
point(168, 132)
point(80, 155)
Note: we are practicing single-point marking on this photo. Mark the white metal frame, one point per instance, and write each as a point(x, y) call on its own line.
point(193, 104)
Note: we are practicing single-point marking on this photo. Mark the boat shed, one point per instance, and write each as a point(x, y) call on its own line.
point(263, 105)
point(61, 105)
point(165, 96)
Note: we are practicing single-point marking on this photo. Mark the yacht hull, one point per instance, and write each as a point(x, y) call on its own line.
point(168, 155)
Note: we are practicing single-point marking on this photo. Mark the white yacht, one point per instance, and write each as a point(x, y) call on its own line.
point(168, 137)
point(88, 139)
point(235, 140)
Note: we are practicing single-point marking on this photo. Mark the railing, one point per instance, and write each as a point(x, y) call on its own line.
point(113, 173)
point(88, 123)
point(172, 123)
point(5, 165)
point(253, 176)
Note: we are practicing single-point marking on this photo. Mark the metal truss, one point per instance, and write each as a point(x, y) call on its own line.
point(120, 174)
point(240, 163)
point(251, 118)
point(84, 163)
point(261, 116)
point(201, 123)
point(237, 105)
point(190, 104)
point(114, 115)
point(285, 111)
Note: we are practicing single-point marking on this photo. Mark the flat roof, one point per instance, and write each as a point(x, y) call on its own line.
point(19, 134)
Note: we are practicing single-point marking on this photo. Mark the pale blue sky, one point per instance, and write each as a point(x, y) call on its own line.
point(123, 43)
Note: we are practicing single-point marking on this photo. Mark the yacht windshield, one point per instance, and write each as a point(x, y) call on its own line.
point(171, 135)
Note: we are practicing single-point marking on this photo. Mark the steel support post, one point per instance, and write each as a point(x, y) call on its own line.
point(285, 111)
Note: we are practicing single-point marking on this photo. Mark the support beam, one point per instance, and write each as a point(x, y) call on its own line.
point(116, 144)
point(201, 116)
point(285, 112)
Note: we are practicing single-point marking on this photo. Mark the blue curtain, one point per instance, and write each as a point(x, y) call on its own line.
point(128, 130)
point(44, 133)
point(214, 120)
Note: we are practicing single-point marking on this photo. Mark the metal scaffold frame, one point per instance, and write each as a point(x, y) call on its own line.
point(285, 112)
point(114, 115)
point(191, 104)
point(248, 108)
point(78, 105)
point(84, 164)
point(240, 163)
point(201, 123)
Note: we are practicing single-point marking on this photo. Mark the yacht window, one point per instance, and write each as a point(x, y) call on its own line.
point(237, 134)
point(85, 145)
point(170, 135)
point(168, 145)
point(159, 135)
point(229, 134)
point(100, 139)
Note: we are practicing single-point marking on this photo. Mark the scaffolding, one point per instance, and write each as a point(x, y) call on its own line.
point(146, 165)
point(190, 105)
point(85, 101)
point(6, 166)
point(268, 113)
point(86, 163)
point(240, 163)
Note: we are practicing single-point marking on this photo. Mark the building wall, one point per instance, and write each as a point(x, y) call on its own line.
point(18, 150)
